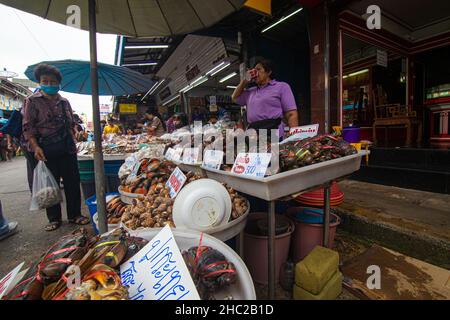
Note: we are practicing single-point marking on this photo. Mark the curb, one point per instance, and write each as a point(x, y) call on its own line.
point(417, 245)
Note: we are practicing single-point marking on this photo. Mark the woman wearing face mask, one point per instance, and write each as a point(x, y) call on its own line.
point(269, 103)
point(49, 128)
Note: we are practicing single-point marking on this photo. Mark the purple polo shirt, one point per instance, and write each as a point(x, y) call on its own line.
point(268, 102)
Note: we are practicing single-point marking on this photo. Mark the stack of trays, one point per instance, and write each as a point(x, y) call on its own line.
point(315, 198)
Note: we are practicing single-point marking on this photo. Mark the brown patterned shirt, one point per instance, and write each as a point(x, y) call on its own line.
point(43, 117)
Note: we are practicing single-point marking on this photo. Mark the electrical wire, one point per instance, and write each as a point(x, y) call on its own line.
point(32, 35)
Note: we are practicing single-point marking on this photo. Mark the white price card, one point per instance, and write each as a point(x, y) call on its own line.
point(158, 271)
point(176, 182)
point(213, 159)
point(191, 155)
point(252, 164)
point(11, 279)
point(303, 132)
point(174, 154)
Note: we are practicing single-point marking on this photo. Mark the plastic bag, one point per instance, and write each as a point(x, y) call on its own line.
point(46, 191)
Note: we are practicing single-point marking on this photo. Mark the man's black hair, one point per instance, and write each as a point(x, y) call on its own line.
point(267, 65)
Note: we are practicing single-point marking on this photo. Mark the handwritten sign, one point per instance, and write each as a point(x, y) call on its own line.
point(213, 159)
point(303, 132)
point(191, 155)
point(251, 164)
point(176, 182)
point(174, 154)
point(11, 279)
point(158, 271)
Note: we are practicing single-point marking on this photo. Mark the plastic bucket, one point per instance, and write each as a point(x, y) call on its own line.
point(112, 167)
point(255, 248)
point(91, 203)
point(351, 134)
point(113, 183)
point(95, 224)
point(88, 188)
point(86, 165)
point(309, 230)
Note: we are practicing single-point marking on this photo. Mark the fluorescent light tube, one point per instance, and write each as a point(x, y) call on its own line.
point(215, 68)
point(231, 75)
point(140, 64)
point(151, 46)
point(222, 68)
point(281, 20)
point(168, 101)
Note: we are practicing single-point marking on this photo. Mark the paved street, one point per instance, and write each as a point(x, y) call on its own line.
point(32, 240)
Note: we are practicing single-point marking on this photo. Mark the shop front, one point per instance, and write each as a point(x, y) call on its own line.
point(392, 89)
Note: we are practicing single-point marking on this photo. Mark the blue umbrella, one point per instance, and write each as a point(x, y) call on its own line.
point(112, 80)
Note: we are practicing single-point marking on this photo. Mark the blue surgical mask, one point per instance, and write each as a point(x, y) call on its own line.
point(50, 89)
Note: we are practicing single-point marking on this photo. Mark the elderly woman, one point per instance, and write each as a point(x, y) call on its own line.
point(49, 128)
point(270, 102)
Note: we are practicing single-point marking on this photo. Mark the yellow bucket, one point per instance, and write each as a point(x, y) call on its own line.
point(357, 145)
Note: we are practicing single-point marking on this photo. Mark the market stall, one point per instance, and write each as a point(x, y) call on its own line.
point(331, 165)
point(112, 267)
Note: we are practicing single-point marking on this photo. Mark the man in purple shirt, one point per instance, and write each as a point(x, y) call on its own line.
point(269, 102)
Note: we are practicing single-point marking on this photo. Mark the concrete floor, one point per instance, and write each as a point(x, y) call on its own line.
point(428, 213)
point(32, 240)
point(424, 212)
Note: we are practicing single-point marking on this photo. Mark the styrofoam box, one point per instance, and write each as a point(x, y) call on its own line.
point(289, 182)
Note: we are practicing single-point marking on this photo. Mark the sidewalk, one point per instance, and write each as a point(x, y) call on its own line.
point(416, 223)
point(32, 240)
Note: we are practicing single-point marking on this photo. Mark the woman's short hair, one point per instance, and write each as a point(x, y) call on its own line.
point(152, 111)
point(267, 65)
point(47, 70)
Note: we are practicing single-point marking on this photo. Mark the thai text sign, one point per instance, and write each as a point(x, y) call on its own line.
point(303, 132)
point(158, 271)
point(176, 182)
point(252, 164)
point(213, 159)
point(127, 108)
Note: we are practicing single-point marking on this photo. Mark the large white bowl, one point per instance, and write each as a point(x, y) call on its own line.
point(202, 205)
point(223, 233)
point(243, 289)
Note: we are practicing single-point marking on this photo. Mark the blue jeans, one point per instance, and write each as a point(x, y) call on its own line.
point(4, 228)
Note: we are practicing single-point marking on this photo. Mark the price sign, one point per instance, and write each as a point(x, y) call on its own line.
point(11, 279)
point(174, 154)
point(176, 182)
point(191, 155)
point(252, 164)
point(213, 159)
point(127, 108)
point(300, 133)
point(158, 271)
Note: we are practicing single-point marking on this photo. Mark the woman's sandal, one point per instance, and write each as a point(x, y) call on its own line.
point(52, 226)
point(81, 220)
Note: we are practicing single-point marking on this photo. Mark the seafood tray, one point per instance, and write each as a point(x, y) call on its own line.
point(106, 157)
point(195, 168)
point(223, 233)
point(128, 197)
point(286, 183)
point(243, 289)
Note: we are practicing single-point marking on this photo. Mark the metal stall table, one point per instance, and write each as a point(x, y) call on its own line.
point(284, 184)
